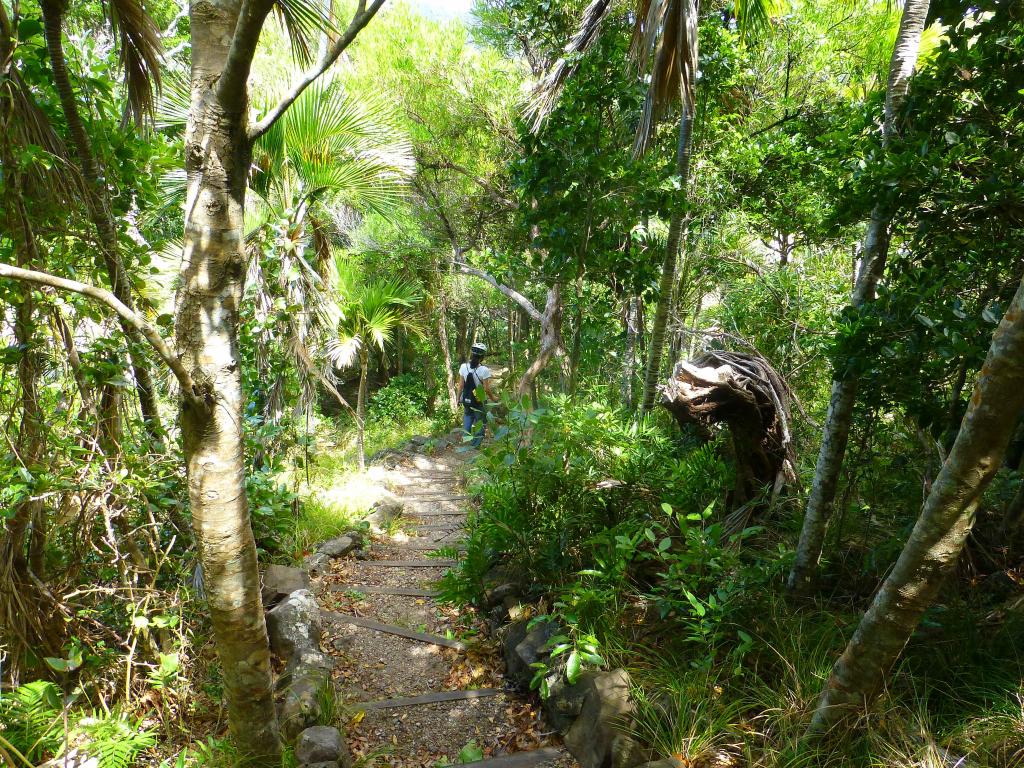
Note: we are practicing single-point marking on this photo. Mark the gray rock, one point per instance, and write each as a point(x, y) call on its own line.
point(340, 545)
point(385, 511)
point(279, 581)
point(564, 702)
point(668, 762)
point(496, 595)
point(523, 647)
point(606, 712)
point(319, 744)
point(325, 764)
point(317, 563)
point(300, 704)
point(419, 440)
point(294, 625)
point(627, 752)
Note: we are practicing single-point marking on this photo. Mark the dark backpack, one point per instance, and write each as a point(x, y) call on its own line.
point(469, 397)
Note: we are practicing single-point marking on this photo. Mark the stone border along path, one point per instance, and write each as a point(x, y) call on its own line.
point(414, 678)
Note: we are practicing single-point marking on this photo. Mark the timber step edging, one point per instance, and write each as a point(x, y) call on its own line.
point(430, 563)
point(390, 629)
point(370, 589)
point(519, 759)
point(428, 698)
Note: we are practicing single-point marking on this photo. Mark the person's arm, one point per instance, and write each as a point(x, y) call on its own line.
point(462, 383)
point(487, 390)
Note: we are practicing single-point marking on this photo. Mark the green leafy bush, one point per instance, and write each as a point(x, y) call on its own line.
point(402, 397)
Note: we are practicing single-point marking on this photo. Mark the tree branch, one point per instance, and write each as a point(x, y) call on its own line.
point(104, 296)
point(513, 294)
point(492, 191)
point(235, 77)
point(360, 19)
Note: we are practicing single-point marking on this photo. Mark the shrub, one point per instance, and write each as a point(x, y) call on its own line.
point(401, 398)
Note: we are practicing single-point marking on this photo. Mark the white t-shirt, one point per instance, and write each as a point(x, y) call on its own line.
point(480, 373)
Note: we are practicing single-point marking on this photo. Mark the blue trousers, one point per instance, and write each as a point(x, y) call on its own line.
point(474, 421)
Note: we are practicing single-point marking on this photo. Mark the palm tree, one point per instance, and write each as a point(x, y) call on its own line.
point(665, 41)
point(374, 311)
point(329, 154)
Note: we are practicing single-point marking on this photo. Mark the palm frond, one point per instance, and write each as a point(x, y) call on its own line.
point(545, 94)
point(174, 104)
point(305, 21)
point(140, 51)
point(755, 16)
point(340, 147)
point(665, 40)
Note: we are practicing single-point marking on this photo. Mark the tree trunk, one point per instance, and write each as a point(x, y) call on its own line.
point(217, 161)
point(844, 386)
point(364, 367)
point(102, 217)
point(630, 321)
point(668, 267)
point(550, 339)
point(938, 537)
point(442, 340)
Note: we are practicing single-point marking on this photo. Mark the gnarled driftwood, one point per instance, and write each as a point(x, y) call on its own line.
point(745, 392)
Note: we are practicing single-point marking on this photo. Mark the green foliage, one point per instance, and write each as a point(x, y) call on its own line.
point(30, 719)
point(403, 397)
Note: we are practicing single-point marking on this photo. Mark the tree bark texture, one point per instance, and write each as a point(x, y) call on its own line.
point(217, 160)
point(364, 367)
point(550, 339)
point(844, 386)
point(934, 546)
point(668, 266)
point(98, 205)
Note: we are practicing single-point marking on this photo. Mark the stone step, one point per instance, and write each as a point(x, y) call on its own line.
point(519, 759)
point(374, 590)
point(428, 698)
point(434, 497)
point(437, 513)
point(438, 527)
point(390, 629)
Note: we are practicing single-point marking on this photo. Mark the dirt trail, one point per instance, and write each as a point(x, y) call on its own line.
point(379, 668)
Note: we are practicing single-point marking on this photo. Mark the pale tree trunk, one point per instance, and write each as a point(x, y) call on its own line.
point(934, 546)
point(656, 347)
point(446, 352)
point(102, 217)
point(550, 339)
point(630, 320)
point(364, 367)
point(844, 386)
point(217, 159)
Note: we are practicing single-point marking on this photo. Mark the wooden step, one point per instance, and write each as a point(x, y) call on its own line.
point(430, 546)
point(437, 513)
point(431, 563)
point(391, 629)
point(434, 497)
point(370, 589)
point(439, 527)
point(519, 759)
point(428, 698)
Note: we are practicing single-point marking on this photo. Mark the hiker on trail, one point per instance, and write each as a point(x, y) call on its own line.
point(474, 386)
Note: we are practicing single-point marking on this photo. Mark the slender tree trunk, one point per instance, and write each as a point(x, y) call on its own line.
point(446, 353)
point(938, 537)
point(102, 217)
point(550, 340)
point(836, 434)
point(668, 267)
point(364, 366)
point(630, 321)
point(217, 161)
